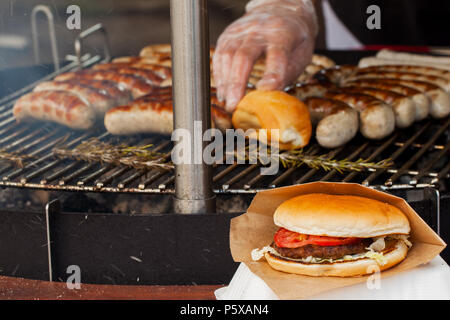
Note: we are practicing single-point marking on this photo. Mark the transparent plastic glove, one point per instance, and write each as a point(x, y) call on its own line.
point(283, 30)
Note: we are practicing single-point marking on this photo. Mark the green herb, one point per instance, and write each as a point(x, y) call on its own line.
point(94, 150)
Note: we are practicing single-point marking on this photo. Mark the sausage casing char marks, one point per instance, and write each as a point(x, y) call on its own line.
point(113, 89)
point(154, 114)
point(420, 100)
point(403, 106)
point(62, 107)
point(137, 85)
point(408, 69)
point(98, 100)
point(336, 123)
point(436, 80)
point(439, 99)
point(163, 71)
point(377, 119)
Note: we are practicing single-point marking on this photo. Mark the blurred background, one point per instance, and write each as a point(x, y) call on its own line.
point(132, 24)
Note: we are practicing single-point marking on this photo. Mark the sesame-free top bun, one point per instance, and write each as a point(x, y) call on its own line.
point(350, 268)
point(340, 216)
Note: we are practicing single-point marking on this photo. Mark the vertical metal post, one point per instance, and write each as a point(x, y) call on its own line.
point(191, 94)
point(51, 208)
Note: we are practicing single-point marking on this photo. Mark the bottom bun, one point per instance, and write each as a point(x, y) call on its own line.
point(358, 267)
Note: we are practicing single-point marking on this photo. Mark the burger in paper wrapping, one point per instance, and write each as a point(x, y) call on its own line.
point(332, 235)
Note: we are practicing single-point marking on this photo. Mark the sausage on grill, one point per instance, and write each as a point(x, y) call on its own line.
point(403, 106)
point(420, 100)
point(438, 81)
point(377, 119)
point(113, 89)
point(137, 85)
point(152, 114)
point(440, 101)
point(97, 100)
point(58, 106)
point(305, 91)
point(149, 75)
point(337, 74)
point(336, 122)
point(162, 71)
point(147, 60)
point(404, 68)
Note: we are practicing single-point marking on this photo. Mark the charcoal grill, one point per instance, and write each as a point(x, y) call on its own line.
point(420, 174)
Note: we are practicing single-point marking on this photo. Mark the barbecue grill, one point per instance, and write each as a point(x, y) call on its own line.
point(69, 203)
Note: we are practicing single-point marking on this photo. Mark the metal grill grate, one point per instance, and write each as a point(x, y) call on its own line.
point(420, 154)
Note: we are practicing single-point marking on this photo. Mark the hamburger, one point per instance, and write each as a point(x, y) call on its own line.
point(336, 235)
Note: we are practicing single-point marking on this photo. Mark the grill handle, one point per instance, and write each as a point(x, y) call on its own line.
point(191, 96)
point(51, 29)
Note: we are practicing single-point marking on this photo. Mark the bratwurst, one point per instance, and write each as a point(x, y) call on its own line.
point(58, 106)
point(336, 122)
point(153, 114)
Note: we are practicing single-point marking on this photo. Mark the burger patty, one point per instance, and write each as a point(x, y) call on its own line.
point(330, 252)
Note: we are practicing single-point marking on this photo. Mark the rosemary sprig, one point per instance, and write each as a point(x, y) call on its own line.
point(17, 159)
point(297, 158)
point(94, 150)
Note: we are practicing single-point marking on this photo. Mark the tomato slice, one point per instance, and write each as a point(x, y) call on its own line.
point(289, 239)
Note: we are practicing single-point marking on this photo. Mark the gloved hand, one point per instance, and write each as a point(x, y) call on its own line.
point(283, 30)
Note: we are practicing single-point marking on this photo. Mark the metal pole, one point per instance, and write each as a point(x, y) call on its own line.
point(191, 94)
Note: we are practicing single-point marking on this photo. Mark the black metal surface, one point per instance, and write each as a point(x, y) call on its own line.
point(134, 248)
point(113, 248)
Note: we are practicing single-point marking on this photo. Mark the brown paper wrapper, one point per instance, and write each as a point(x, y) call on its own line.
point(255, 229)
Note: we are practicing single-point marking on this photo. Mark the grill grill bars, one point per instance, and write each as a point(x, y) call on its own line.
point(420, 154)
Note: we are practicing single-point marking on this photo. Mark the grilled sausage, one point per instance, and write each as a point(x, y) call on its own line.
point(156, 49)
point(162, 71)
point(403, 106)
point(147, 60)
point(412, 65)
point(377, 120)
point(150, 114)
point(305, 91)
point(337, 74)
point(113, 89)
point(137, 85)
point(58, 106)
point(411, 57)
point(100, 102)
point(440, 101)
point(149, 75)
point(336, 122)
point(438, 81)
point(322, 61)
point(420, 100)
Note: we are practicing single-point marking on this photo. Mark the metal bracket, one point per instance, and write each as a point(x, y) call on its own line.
point(434, 195)
point(88, 32)
point(51, 28)
point(51, 208)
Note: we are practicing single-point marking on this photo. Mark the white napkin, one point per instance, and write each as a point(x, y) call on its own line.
point(425, 282)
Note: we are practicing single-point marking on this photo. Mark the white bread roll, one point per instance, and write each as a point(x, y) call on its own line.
point(275, 110)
